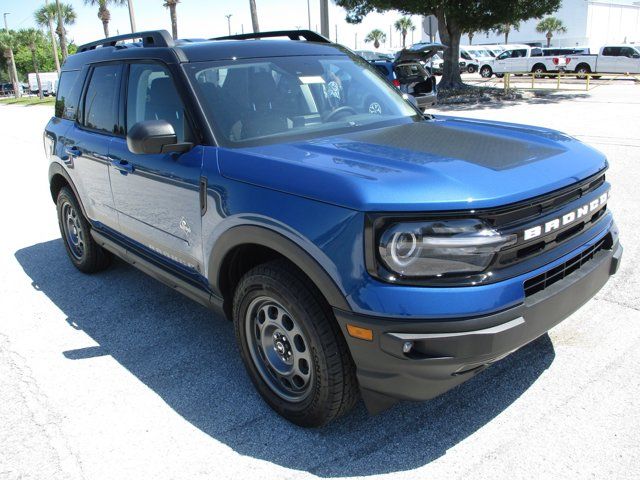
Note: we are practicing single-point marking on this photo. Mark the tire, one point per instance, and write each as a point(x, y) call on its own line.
point(539, 70)
point(500, 75)
point(85, 254)
point(285, 330)
point(582, 70)
point(472, 69)
point(486, 72)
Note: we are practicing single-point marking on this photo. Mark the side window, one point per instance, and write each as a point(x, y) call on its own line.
point(68, 96)
point(152, 95)
point(611, 51)
point(504, 55)
point(628, 52)
point(101, 99)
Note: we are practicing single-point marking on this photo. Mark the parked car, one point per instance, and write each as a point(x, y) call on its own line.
point(410, 78)
point(386, 253)
point(7, 88)
point(610, 59)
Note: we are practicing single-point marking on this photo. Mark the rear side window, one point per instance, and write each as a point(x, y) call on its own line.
point(69, 88)
point(152, 95)
point(611, 51)
point(101, 99)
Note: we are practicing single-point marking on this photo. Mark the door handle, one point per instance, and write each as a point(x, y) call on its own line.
point(122, 166)
point(73, 151)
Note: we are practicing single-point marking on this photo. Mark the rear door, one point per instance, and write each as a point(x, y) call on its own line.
point(86, 143)
point(157, 196)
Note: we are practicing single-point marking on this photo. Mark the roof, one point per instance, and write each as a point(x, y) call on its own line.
point(158, 45)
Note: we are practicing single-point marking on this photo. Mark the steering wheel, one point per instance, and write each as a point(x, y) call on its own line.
point(339, 111)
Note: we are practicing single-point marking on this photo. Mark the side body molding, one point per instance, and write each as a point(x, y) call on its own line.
point(251, 234)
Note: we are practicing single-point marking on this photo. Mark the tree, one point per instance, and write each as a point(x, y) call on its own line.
point(404, 25)
point(470, 35)
point(375, 36)
point(505, 29)
point(549, 26)
point(31, 38)
point(47, 15)
point(254, 16)
point(454, 18)
point(171, 5)
point(8, 44)
point(61, 31)
point(103, 11)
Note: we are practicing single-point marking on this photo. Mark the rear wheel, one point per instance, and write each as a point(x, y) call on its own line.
point(582, 70)
point(292, 347)
point(472, 69)
point(539, 70)
point(84, 252)
point(486, 72)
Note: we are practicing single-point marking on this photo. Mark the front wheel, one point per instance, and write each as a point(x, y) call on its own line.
point(84, 252)
point(292, 347)
point(486, 72)
point(472, 69)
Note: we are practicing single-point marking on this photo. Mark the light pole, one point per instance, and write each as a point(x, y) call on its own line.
point(309, 13)
point(229, 22)
point(356, 41)
point(6, 27)
point(324, 18)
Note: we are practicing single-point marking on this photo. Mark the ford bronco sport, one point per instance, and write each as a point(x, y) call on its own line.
point(379, 253)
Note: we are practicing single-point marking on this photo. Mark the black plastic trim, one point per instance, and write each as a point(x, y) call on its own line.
point(152, 38)
point(307, 35)
point(250, 234)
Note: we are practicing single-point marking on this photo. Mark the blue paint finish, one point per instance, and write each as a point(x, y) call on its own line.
point(354, 173)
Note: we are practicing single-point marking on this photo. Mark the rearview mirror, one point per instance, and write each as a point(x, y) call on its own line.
point(153, 137)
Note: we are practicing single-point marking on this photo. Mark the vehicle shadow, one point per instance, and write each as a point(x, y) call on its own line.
point(173, 346)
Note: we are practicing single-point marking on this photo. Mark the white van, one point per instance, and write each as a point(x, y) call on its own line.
point(49, 81)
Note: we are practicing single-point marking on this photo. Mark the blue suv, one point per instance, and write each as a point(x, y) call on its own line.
point(387, 254)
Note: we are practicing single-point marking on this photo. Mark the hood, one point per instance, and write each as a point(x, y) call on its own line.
point(445, 164)
point(420, 52)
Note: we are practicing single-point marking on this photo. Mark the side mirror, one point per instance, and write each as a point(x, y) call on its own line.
point(153, 137)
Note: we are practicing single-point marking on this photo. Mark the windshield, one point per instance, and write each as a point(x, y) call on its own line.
point(257, 101)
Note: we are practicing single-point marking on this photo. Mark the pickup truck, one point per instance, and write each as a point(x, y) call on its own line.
point(523, 58)
point(363, 252)
point(611, 59)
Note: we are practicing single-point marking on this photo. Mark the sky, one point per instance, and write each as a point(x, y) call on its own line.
point(206, 18)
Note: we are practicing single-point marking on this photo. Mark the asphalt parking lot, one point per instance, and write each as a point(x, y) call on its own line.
point(114, 376)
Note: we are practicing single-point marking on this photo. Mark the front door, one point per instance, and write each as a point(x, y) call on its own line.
point(157, 195)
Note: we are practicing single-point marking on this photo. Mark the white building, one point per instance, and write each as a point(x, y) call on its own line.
point(589, 23)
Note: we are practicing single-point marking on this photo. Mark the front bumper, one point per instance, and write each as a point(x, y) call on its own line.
point(445, 353)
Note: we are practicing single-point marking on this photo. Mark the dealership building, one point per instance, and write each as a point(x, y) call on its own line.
point(590, 23)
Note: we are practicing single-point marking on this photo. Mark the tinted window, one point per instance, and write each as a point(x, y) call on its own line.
point(382, 69)
point(410, 70)
point(504, 55)
point(519, 53)
point(101, 99)
point(152, 95)
point(611, 51)
point(628, 52)
point(68, 95)
point(536, 52)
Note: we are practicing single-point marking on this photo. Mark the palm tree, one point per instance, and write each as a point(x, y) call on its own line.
point(505, 29)
point(171, 5)
point(103, 11)
point(62, 33)
point(47, 15)
point(376, 36)
point(549, 26)
point(254, 16)
point(470, 35)
point(44, 17)
point(404, 25)
point(31, 38)
point(9, 43)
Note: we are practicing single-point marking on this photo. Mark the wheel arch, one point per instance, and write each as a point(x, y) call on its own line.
point(58, 179)
point(539, 64)
point(242, 247)
point(583, 64)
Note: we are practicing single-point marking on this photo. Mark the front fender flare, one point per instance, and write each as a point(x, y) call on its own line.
point(256, 235)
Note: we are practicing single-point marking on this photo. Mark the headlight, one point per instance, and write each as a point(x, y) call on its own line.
point(436, 248)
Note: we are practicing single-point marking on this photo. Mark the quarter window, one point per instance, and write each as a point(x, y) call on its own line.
point(68, 95)
point(152, 95)
point(101, 99)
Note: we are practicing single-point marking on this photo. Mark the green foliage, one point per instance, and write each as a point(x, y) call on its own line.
point(375, 36)
point(22, 55)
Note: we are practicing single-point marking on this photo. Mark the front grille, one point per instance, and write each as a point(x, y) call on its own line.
point(548, 278)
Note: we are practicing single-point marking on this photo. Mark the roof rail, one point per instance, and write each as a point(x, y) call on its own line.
point(307, 35)
point(152, 38)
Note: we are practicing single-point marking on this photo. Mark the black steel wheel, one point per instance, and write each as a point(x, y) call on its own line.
point(292, 346)
point(84, 252)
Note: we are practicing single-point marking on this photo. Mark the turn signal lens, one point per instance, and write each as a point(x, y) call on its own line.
point(360, 332)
